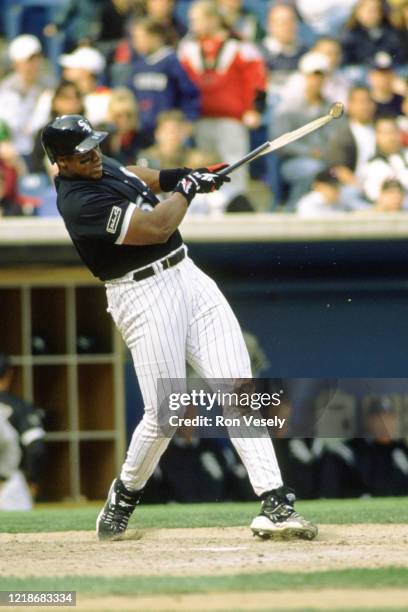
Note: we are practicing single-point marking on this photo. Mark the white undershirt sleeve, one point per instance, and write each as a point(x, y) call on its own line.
point(126, 222)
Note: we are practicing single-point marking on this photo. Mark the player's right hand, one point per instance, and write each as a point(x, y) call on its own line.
point(200, 182)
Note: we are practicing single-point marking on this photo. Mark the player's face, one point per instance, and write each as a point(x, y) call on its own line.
point(87, 165)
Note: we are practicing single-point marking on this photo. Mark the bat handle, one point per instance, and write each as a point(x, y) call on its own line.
point(244, 160)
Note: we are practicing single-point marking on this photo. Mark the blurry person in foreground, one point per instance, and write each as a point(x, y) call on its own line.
point(25, 420)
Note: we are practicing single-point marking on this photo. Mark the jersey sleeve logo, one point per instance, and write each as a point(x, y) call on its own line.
point(114, 219)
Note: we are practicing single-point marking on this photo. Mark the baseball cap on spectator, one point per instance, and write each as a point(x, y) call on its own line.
point(23, 47)
point(313, 62)
point(85, 58)
point(327, 176)
point(382, 61)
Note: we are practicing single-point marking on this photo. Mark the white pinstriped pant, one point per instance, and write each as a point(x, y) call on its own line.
point(175, 316)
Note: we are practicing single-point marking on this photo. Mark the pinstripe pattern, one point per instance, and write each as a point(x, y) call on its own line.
point(167, 319)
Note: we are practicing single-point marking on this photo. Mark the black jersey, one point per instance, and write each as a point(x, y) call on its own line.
point(97, 214)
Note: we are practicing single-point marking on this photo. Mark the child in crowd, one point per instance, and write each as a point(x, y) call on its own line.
point(328, 198)
point(391, 198)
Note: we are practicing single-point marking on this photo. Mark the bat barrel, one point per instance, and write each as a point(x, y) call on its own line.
point(336, 111)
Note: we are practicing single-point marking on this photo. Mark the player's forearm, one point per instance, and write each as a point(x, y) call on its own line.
point(160, 181)
point(156, 226)
point(171, 212)
point(148, 176)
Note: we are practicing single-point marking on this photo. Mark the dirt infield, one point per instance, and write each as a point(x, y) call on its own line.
point(200, 552)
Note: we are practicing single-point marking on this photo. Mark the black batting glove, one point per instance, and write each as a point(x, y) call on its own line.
point(200, 182)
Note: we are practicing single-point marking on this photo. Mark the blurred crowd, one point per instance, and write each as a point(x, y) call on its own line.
point(179, 82)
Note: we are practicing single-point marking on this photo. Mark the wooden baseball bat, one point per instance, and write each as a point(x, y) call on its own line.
point(336, 111)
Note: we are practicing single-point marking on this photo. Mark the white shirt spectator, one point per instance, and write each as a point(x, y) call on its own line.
point(20, 90)
point(365, 140)
point(315, 204)
point(381, 168)
point(83, 67)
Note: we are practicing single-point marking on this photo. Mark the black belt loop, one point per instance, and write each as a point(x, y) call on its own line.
point(167, 262)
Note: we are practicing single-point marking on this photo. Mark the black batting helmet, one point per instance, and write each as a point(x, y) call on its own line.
point(70, 135)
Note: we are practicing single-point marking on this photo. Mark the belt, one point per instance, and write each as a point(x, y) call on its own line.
point(167, 262)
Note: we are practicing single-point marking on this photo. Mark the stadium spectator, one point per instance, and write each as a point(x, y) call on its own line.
point(67, 100)
point(20, 90)
point(403, 122)
point(230, 75)
point(169, 149)
point(389, 162)
point(125, 140)
point(12, 169)
point(77, 20)
point(10, 161)
point(303, 159)
point(282, 47)
point(162, 12)
point(336, 83)
point(368, 31)
point(158, 79)
point(242, 22)
point(352, 141)
point(399, 19)
point(115, 15)
point(374, 465)
point(381, 78)
point(83, 67)
point(326, 17)
point(9, 207)
point(328, 198)
point(26, 422)
point(391, 198)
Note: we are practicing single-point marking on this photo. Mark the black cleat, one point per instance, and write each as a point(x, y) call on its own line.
point(113, 519)
point(278, 518)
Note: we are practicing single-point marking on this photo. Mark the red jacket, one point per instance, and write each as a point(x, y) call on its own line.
point(227, 72)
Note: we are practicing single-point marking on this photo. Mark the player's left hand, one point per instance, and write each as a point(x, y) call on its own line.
point(200, 182)
point(208, 181)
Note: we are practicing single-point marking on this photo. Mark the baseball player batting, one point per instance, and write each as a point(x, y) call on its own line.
point(167, 310)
